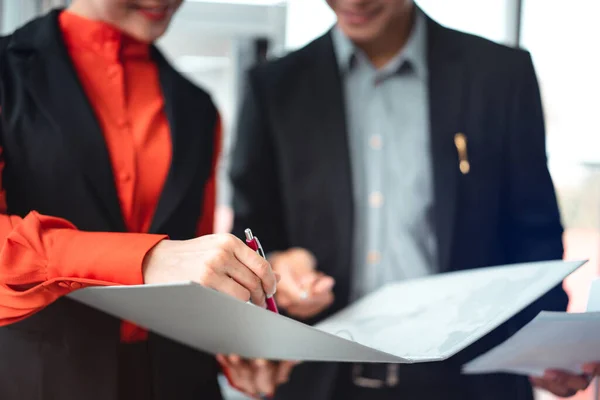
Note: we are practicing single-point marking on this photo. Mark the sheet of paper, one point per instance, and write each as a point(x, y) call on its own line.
point(593, 303)
point(436, 317)
point(552, 340)
point(422, 320)
point(216, 323)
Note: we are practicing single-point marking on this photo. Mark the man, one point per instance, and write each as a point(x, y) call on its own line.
point(392, 148)
point(107, 162)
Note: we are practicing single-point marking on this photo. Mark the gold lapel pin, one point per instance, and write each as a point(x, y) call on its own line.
point(460, 141)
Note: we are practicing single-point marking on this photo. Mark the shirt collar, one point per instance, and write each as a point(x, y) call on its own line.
point(105, 40)
point(415, 50)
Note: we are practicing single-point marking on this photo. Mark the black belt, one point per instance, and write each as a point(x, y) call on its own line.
point(379, 376)
point(435, 381)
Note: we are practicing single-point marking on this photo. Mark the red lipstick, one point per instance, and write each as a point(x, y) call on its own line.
point(155, 14)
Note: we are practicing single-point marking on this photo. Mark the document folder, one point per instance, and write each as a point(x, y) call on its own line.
point(552, 340)
point(428, 319)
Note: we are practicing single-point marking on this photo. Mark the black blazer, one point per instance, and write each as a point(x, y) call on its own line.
point(56, 163)
point(292, 179)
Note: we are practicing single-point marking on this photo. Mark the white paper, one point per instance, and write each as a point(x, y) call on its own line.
point(593, 303)
point(427, 319)
point(553, 340)
point(216, 323)
point(434, 318)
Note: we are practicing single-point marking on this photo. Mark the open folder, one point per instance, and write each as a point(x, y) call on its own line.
point(420, 320)
point(552, 340)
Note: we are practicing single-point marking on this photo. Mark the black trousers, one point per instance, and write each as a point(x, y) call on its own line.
point(135, 372)
point(142, 378)
point(414, 383)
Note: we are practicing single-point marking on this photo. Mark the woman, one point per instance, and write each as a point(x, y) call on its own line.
point(108, 175)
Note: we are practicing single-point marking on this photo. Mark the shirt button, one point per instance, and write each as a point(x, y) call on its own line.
point(376, 199)
point(64, 285)
point(113, 71)
point(125, 177)
point(76, 285)
point(123, 123)
point(375, 142)
point(373, 257)
point(110, 46)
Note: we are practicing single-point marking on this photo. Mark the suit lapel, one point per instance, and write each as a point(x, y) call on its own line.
point(54, 86)
point(446, 116)
point(446, 103)
point(329, 113)
point(192, 126)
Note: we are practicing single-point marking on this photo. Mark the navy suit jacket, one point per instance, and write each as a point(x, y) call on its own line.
point(292, 180)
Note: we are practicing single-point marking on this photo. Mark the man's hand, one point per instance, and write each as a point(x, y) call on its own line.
point(592, 369)
point(255, 377)
point(303, 292)
point(222, 262)
point(565, 384)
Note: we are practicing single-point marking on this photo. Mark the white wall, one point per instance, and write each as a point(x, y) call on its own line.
point(306, 20)
point(563, 40)
point(14, 13)
point(493, 19)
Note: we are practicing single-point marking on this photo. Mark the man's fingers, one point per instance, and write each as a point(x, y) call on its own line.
point(283, 300)
point(552, 387)
point(302, 259)
point(321, 300)
point(290, 284)
point(560, 383)
point(323, 284)
point(308, 280)
point(315, 284)
point(256, 377)
point(312, 306)
point(313, 301)
point(304, 311)
point(568, 380)
point(241, 375)
point(578, 382)
point(234, 359)
point(264, 376)
point(283, 371)
point(592, 369)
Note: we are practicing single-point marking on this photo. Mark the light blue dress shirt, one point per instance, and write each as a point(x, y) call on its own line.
point(387, 113)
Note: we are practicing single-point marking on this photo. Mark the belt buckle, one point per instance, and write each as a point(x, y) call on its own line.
point(390, 380)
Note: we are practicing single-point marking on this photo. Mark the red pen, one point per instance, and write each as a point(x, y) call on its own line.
point(253, 242)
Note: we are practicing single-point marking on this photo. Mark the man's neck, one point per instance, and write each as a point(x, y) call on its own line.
point(385, 47)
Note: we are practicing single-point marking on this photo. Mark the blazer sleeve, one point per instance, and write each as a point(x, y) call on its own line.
point(532, 219)
point(43, 258)
point(209, 200)
point(256, 186)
